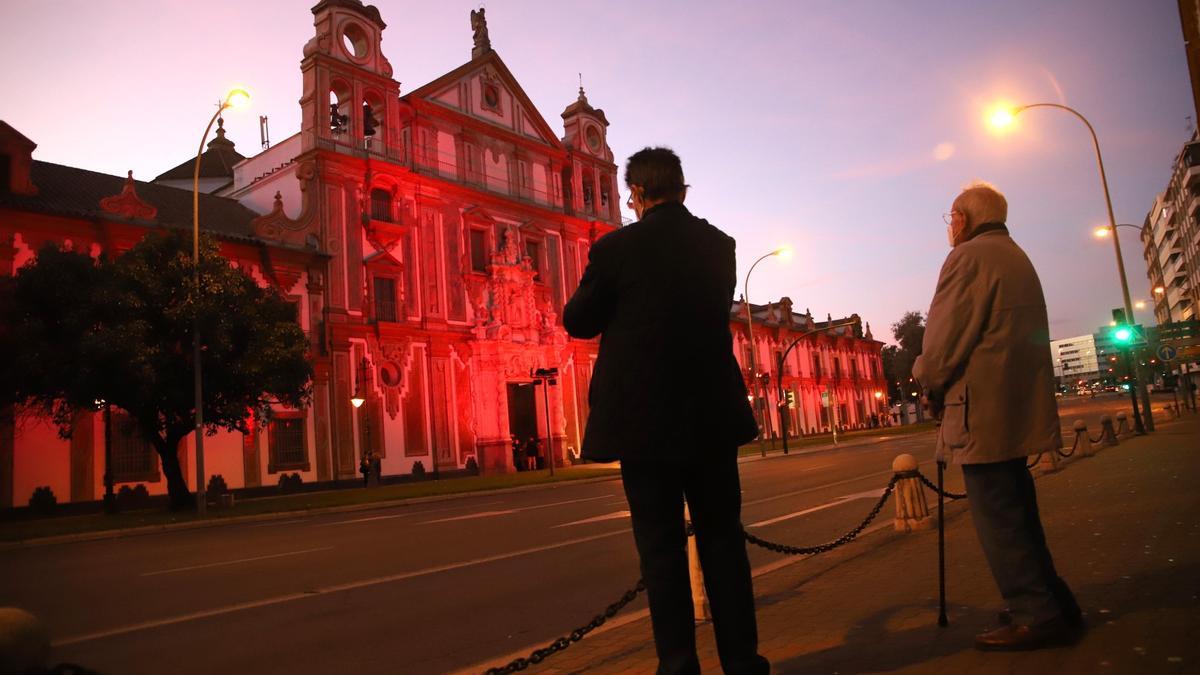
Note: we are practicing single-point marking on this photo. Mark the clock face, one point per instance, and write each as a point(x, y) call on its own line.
point(593, 138)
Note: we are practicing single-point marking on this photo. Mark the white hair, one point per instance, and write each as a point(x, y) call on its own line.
point(981, 202)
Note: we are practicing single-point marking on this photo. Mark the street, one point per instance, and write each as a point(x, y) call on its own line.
point(426, 588)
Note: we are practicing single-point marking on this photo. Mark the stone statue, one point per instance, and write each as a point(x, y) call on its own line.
point(479, 30)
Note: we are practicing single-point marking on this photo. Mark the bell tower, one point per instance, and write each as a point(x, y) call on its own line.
point(591, 175)
point(350, 99)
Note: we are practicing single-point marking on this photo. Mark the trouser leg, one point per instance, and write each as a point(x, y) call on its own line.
point(1003, 504)
point(714, 496)
point(655, 494)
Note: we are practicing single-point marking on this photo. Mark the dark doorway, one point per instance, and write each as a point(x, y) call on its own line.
point(522, 412)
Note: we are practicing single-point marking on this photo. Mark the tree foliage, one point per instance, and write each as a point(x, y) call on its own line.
point(908, 332)
point(121, 331)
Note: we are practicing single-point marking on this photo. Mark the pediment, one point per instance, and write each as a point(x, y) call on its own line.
point(484, 89)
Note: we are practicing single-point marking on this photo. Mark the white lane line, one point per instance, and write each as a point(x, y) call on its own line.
point(470, 516)
point(278, 522)
point(279, 599)
point(821, 507)
point(608, 516)
point(644, 613)
point(505, 512)
point(785, 495)
point(234, 562)
point(404, 514)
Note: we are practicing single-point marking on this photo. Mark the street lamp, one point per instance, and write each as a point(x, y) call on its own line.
point(1005, 117)
point(779, 379)
point(235, 98)
point(545, 377)
point(784, 253)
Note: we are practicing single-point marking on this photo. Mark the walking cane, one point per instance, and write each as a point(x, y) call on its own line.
point(941, 548)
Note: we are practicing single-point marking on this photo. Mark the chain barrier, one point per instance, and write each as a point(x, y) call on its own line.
point(538, 655)
point(1032, 463)
point(829, 546)
point(1074, 447)
point(929, 484)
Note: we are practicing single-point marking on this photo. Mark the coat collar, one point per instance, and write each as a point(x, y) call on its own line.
point(984, 229)
point(665, 207)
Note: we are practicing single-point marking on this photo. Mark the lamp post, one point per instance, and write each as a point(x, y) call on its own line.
point(1006, 117)
point(879, 405)
point(783, 356)
point(1100, 233)
point(545, 377)
point(783, 252)
point(357, 401)
point(235, 98)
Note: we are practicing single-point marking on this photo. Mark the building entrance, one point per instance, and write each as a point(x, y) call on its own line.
point(522, 414)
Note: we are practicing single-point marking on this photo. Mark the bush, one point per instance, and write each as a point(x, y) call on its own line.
point(216, 486)
point(472, 466)
point(137, 497)
point(43, 502)
point(290, 482)
point(418, 469)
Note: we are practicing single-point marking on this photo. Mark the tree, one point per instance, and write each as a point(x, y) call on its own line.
point(126, 338)
point(909, 332)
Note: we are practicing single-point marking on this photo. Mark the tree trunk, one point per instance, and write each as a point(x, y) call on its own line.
point(181, 498)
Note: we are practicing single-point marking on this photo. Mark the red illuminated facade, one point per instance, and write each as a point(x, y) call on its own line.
point(429, 240)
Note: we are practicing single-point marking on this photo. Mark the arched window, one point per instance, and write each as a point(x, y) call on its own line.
point(339, 109)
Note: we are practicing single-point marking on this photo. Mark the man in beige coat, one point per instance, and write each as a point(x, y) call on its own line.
point(987, 371)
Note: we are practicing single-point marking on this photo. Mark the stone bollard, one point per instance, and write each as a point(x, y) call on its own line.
point(24, 642)
point(1108, 435)
point(912, 512)
point(1083, 443)
point(699, 596)
point(1122, 424)
point(1048, 461)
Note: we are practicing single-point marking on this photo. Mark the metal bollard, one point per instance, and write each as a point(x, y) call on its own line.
point(912, 512)
point(699, 595)
point(1083, 444)
point(1108, 435)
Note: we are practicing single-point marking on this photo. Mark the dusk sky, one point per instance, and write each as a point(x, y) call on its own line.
point(844, 128)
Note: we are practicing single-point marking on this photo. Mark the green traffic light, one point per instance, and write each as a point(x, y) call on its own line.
point(1122, 334)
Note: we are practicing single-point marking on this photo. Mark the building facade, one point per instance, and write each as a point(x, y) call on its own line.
point(1171, 241)
point(1075, 361)
point(429, 241)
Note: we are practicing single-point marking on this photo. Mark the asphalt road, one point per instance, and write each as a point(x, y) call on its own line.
point(426, 588)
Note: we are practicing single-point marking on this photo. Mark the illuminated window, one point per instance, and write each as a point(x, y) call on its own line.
point(286, 439)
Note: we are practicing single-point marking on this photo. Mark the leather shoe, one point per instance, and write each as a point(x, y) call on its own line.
point(1015, 637)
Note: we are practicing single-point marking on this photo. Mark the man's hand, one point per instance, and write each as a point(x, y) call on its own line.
point(937, 404)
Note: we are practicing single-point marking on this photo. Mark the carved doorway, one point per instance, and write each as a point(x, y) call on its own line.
point(522, 412)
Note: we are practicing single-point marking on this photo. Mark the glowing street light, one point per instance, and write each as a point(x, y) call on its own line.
point(784, 253)
point(1003, 117)
point(236, 98)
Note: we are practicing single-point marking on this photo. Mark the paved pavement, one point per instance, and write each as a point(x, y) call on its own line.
point(1123, 525)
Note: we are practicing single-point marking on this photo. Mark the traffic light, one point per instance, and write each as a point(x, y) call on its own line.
point(1121, 335)
point(790, 398)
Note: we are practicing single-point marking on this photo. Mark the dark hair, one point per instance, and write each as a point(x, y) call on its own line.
point(657, 171)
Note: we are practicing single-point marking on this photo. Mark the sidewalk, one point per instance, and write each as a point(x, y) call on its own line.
point(1124, 527)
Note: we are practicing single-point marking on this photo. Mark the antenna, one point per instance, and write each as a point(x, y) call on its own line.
point(264, 133)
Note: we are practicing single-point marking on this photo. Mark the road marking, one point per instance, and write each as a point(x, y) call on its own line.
point(278, 522)
point(785, 495)
point(404, 514)
point(644, 613)
point(233, 562)
point(821, 507)
point(470, 516)
point(505, 512)
point(280, 599)
point(608, 516)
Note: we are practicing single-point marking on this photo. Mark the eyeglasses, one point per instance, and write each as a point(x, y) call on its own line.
point(949, 216)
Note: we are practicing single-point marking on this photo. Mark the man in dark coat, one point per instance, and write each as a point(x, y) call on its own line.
point(667, 399)
point(985, 364)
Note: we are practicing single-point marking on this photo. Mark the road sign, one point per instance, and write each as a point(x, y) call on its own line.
point(1167, 353)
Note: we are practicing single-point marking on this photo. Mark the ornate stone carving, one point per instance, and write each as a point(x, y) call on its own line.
point(479, 33)
point(128, 204)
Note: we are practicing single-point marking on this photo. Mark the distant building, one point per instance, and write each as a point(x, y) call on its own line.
point(1075, 360)
point(1171, 241)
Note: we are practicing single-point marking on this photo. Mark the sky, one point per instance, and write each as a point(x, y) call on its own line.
point(844, 128)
